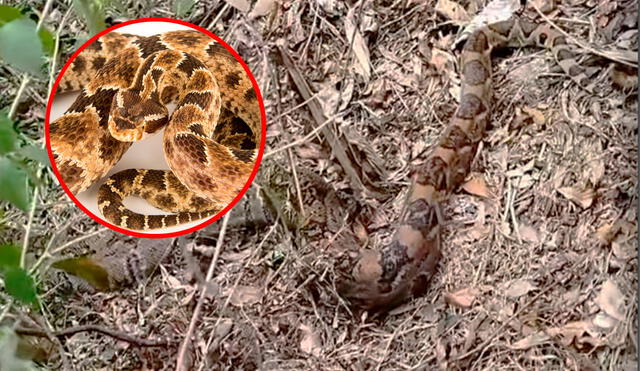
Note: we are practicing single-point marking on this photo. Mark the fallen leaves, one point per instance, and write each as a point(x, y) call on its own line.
point(518, 288)
point(361, 64)
point(452, 11)
point(310, 343)
point(463, 298)
point(477, 186)
point(588, 333)
point(583, 197)
point(245, 295)
point(611, 301)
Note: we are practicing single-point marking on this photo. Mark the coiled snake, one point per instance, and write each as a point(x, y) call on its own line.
point(210, 140)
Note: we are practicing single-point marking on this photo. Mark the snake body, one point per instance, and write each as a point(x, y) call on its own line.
point(383, 278)
point(210, 141)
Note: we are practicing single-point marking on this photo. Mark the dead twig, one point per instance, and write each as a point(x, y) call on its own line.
point(119, 335)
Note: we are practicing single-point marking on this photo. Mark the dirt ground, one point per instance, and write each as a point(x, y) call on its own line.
point(539, 267)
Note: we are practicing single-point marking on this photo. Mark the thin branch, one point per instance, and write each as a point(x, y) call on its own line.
point(60, 248)
point(119, 335)
point(303, 140)
point(27, 232)
point(180, 360)
point(610, 54)
point(14, 104)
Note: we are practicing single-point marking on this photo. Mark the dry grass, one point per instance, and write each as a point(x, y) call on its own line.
point(539, 274)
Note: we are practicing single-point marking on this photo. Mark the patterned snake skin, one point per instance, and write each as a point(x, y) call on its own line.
point(210, 140)
point(381, 279)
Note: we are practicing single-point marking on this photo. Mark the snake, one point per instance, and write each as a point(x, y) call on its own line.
point(380, 279)
point(210, 140)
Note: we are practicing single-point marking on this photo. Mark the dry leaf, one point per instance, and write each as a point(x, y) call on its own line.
point(594, 169)
point(611, 300)
point(521, 170)
point(262, 8)
point(329, 98)
point(604, 321)
point(453, 11)
point(607, 233)
point(532, 340)
point(584, 198)
point(241, 5)
point(310, 342)
point(535, 114)
point(441, 354)
point(462, 298)
point(578, 332)
point(517, 288)
point(528, 233)
point(441, 60)
point(359, 47)
point(624, 250)
point(245, 295)
point(223, 328)
point(477, 186)
point(545, 6)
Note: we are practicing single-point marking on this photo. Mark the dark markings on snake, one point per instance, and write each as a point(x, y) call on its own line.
point(150, 45)
point(138, 84)
point(189, 64)
point(98, 63)
point(193, 146)
point(564, 54)
point(197, 129)
point(242, 155)
point(250, 94)
point(123, 124)
point(527, 28)
point(79, 64)
point(232, 79)
point(559, 40)
point(218, 49)
point(200, 99)
point(101, 101)
point(96, 45)
point(191, 40)
point(477, 42)
point(475, 73)
point(455, 138)
point(470, 106)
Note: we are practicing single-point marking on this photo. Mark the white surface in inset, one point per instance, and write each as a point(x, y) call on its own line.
point(144, 154)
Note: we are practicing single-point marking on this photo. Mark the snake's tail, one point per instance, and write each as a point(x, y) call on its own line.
point(158, 187)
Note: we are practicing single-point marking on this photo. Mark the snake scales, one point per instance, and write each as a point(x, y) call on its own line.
point(383, 278)
point(210, 141)
point(378, 280)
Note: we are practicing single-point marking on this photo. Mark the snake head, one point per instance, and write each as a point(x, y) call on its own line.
point(132, 115)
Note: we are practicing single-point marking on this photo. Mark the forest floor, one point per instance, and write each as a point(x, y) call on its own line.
point(539, 267)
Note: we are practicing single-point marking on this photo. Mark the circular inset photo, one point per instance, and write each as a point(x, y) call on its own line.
point(155, 127)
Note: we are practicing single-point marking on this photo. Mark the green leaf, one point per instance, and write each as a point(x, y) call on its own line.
point(35, 153)
point(182, 8)
point(93, 13)
point(8, 135)
point(14, 184)
point(21, 47)
point(87, 269)
point(20, 285)
point(46, 38)
point(8, 14)
point(9, 257)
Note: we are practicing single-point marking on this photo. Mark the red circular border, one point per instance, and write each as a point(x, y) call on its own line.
point(215, 217)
